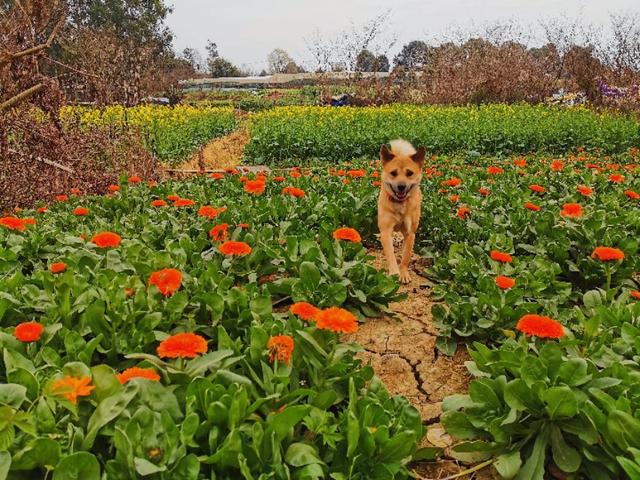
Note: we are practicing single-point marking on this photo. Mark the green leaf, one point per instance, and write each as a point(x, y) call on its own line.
point(533, 468)
point(300, 454)
point(508, 464)
point(560, 402)
point(310, 275)
point(41, 452)
point(107, 410)
point(573, 372)
point(282, 423)
point(12, 394)
point(624, 429)
point(565, 457)
point(78, 466)
point(5, 464)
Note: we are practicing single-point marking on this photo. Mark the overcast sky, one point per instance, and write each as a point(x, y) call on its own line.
point(247, 30)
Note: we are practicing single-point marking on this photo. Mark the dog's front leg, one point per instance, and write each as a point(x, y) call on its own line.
point(387, 247)
point(407, 251)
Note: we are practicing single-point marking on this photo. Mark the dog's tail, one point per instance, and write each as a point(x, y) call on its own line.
point(402, 148)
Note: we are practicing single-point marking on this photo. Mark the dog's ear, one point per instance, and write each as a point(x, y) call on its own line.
point(386, 155)
point(419, 156)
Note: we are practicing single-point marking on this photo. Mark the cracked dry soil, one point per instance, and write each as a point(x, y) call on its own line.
point(402, 352)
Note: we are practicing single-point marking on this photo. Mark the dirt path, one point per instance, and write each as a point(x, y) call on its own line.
point(403, 354)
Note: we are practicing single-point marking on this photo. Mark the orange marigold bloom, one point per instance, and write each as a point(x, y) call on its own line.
point(337, 320)
point(557, 165)
point(152, 183)
point(484, 192)
point(632, 195)
point(532, 206)
point(295, 174)
point(182, 345)
point(216, 175)
point(134, 179)
point(304, 310)
point(167, 280)
point(75, 191)
point(207, 211)
point(243, 225)
point(61, 198)
point(616, 178)
point(452, 182)
point(572, 210)
point(29, 221)
point(375, 174)
point(12, 223)
point(293, 191)
point(585, 191)
point(279, 179)
point(72, 387)
point(494, 170)
point(454, 198)
point(520, 162)
point(345, 181)
point(219, 232)
point(539, 326)
point(42, 209)
point(158, 203)
point(255, 187)
point(280, 348)
point(183, 202)
point(235, 248)
point(635, 294)
point(607, 254)
point(356, 173)
point(58, 267)
point(346, 233)
point(463, 212)
point(173, 197)
point(501, 256)
point(536, 188)
point(81, 211)
point(505, 283)
point(28, 331)
point(137, 372)
point(113, 188)
point(106, 240)
point(376, 183)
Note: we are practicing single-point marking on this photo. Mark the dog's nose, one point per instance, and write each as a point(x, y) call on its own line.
point(401, 187)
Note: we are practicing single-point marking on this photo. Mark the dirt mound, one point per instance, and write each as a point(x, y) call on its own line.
point(223, 152)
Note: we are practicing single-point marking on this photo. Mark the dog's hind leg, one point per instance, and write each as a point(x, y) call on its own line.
point(387, 246)
point(407, 251)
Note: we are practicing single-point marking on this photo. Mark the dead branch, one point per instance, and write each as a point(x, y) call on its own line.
point(21, 96)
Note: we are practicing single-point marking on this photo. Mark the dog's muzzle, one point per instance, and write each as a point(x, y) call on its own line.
point(401, 191)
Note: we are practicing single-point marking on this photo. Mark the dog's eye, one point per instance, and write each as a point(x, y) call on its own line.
point(394, 173)
point(409, 173)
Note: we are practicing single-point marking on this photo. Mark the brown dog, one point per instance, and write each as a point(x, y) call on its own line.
point(399, 202)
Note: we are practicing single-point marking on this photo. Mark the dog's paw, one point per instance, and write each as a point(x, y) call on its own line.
point(405, 276)
point(394, 271)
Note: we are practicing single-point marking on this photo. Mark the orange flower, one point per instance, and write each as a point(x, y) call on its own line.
point(137, 372)
point(494, 170)
point(337, 320)
point(532, 206)
point(61, 198)
point(572, 210)
point(158, 203)
point(585, 191)
point(635, 294)
point(216, 175)
point(280, 348)
point(345, 181)
point(375, 174)
point(304, 310)
point(81, 211)
point(356, 173)
point(106, 239)
point(501, 256)
point(632, 195)
point(606, 254)
point(42, 209)
point(348, 234)
point(75, 191)
point(129, 292)
point(616, 178)
point(484, 192)
point(29, 221)
point(463, 212)
point(207, 211)
point(113, 188)
point(557, 165)
point(293, 191)
point(12, 223)
point(452, 182)
point(173, 197)
point(295, 174)
point(243, 225)
point(520, 162)
point(134, 179)
point(184, 202)
point(28, 331)
point(279, 179)
point(152, 183)
point(219, 232)
point(182, 345)
point(58, 267)
point(167, 280)
point(454, 198)
point(376, 183)
point(72, 387)
point(539, 326)
point(255, 187)
point(235, 248)
point(536, 188)
point(505, 283)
